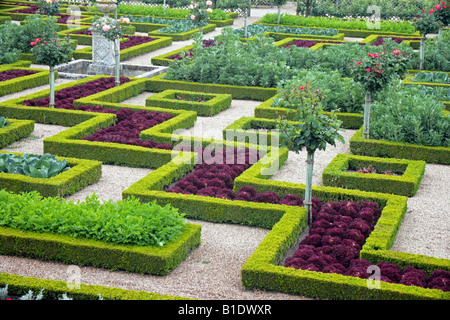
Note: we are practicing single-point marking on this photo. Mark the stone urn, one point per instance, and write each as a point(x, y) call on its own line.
point(106, 6)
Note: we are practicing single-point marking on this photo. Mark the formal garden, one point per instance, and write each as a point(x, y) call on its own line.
point(224, 150)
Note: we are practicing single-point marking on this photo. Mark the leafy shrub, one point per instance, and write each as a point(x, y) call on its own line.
point(9, 51)
point(437, 53)
point(340, 94)
point(35, 166)
point(410, 115)
point(260, 63)
point(122, 222)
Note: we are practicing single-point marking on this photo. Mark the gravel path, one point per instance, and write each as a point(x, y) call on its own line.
point(212, 271)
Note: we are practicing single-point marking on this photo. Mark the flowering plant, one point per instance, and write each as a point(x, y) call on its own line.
point(428, 22)
point(200, 12)
point(49, 7)
point(110, 28)
point(52, 51)
point(443, 12)
point(375, 70)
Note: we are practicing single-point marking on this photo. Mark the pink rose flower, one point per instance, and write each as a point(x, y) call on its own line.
point(370, 54)
point(438, 7)
point(358, 63)
point(368, 69)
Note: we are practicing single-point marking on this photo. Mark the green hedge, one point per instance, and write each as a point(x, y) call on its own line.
point(215, 103)
point(266, 111)
point(415, 44)
point(158, 83)
point(388, 149)
point(160, 42)
point(21, 83)
point(163, 59)
point(358, 33)
point(54, 289)
point(241, 130)
point(15, 130)
point(405, 184)
point(84, 252)
point(81, 174)
point(183, 36)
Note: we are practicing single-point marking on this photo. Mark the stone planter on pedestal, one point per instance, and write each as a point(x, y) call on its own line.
point(103, 58)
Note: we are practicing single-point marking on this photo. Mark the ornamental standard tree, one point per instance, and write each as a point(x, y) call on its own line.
point(310, 128)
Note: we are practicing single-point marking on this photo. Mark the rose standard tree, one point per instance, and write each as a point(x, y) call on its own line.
point(200, 13)
point(374, 72)
point(112, 29)
point(52, 51)
point(49, 7)
point(311, 128)
point(428, 22)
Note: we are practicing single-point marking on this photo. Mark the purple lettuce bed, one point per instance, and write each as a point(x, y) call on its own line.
point(130, 42)
point(129, 126)
point(206, 43)
point(380, 40)
point(33, 9)
point(11, 74)
point(65, 97)
point(308, 43)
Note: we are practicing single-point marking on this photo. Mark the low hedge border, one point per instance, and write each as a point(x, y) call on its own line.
point(163, 59)
point(41, 77)
point(54, 289)
point(15, 130)
point(183, 36)
point(81, 174)
point(351, 33)
point(374, 37)
point(158, 83)
point(388, 149)
point(266, 111)
point(262, 269)
point(160, 42)
point(17, 64)
point(412, 73)
point(166, 99)
point(407, 184)
point(241, 129)
point(3, 19)
point(86, 252)
point(278, 36)
point(285, 41)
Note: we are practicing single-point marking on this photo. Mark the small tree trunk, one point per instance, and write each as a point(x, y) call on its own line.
point(308, 185)
point(164, 5)
point(117, 60)
point(52, 87)
point(441, 29)
point(279, 15)
point(245, 23)
point(367, 115)
point(422, 52)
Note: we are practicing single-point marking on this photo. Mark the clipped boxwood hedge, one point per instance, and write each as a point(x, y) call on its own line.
point(15, 130)
point(214, 104)
point(406, 184)
point(160, 42)
point(54, 289)
point(388, 149)
point(182, 36)
point(81, 174)
point(41, 77)
point(158, 83)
